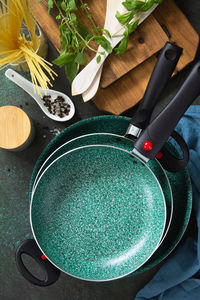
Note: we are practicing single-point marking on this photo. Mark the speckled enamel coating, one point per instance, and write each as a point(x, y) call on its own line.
point(123, 143)
point(93, 139)
point(98, 212)
point(180, 182)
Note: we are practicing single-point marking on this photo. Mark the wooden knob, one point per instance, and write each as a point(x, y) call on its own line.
point(16, 129)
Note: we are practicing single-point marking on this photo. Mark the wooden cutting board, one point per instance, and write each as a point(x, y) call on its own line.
point(148, 41)
point(125, 77)
point(142, 45)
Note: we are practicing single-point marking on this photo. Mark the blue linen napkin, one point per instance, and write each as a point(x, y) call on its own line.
point(179, 277)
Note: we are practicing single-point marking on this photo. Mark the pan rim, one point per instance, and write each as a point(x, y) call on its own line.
point(68, 142)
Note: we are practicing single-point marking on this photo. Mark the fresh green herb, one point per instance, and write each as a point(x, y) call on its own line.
point(135, 8)
point(71, 70)
point(81, 59)
point(125, 18)
point(98, 58)
point(64, 58)
point(122, 46)
point(50, 5)
point(106, 32)
point(76, 39)
point(133, 4)
point(72, 5)
point(132, 26)
point(124, 42)
point(101, 40)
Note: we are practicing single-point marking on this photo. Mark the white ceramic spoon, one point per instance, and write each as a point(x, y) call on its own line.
point(28, 87)
point(93, 69)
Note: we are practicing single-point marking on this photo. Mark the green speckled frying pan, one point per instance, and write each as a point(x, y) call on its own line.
point(93, 224)
point(116, 141)
point(95, 251)
point(108, 227)
point(180, 183)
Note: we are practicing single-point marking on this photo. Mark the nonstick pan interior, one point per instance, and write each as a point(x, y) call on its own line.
point(105, 215)
point(123, 143)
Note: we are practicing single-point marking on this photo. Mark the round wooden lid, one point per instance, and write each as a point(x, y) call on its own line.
point(15, 127)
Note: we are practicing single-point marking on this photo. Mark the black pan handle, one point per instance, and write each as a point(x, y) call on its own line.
point(161, 74)
point(157, 133)
point(171, 163)
point(30, 247)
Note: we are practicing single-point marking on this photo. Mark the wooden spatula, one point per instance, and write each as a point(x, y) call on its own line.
point(110, 15)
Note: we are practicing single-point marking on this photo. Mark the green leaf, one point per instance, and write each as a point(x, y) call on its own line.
point(63, 5)
point(73, 17)
point(71, 70)
point(122, 46)
point(89, 15)
point(98, 59)
point(101, 40)
point(106, 32)
point(132, 26)
point(81, 59)
point(58, 17)
point(75, 43)
point(133, 4)
point(148, 5)
point(64, 59)
point(84, 5)
point(84, 32)
point(125, 18)
point(50, 5)
point(65, 37)
point(72, 4)
point(97, 28)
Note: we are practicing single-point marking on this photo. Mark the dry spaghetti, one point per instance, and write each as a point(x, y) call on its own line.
point(15, 15)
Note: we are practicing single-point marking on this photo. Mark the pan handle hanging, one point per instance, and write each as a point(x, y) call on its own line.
point(171, 163)
point(164, 67)
point(157, 133)
point(30, 248)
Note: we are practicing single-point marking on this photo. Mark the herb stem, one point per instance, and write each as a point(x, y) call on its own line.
point(90, 17)
point(87, 42)
point(73, 29)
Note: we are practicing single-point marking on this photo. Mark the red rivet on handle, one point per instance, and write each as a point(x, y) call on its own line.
point(43, 257)
point(148, 146)
point(159, 155)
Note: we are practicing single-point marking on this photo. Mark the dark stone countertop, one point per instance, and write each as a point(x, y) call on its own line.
point(15, 173)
